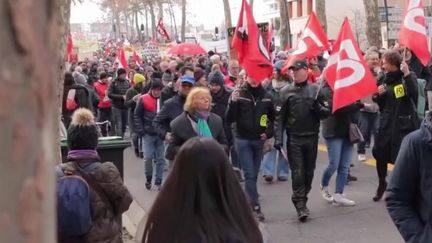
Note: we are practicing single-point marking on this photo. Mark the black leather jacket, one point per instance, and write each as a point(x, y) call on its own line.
point(301, 111)
point(253, 115)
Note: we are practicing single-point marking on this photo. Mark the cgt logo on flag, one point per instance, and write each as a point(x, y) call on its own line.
point(413, 31)
point(347, 73)
point(312, 42)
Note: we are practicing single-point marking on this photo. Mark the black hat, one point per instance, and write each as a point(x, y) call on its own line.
point(155, 84)
point(82, 132)
point(299, 64)
point(216, 78)
point(121, 71)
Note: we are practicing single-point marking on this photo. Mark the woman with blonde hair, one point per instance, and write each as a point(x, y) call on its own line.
point(196, 120)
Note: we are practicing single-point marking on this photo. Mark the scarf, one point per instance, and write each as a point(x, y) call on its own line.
point(83, 155)
point(203, 129)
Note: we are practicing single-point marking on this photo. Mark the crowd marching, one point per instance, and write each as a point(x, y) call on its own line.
point(173, 105)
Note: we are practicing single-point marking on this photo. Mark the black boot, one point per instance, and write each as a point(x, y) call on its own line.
point(382, 186)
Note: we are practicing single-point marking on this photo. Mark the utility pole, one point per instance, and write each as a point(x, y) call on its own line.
point(387, 22)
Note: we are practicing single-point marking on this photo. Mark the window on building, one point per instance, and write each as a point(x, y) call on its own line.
point(290, 9)
point(299, 8)
point(309, 6)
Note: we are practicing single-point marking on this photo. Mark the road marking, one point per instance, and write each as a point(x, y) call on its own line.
point(371, 162)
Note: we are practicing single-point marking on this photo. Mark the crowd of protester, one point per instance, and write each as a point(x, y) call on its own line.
point(270, 126)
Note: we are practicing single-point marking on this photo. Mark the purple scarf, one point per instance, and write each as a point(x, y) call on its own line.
point(83, 155)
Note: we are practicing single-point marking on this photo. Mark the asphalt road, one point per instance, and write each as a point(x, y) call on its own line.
point(368, 222)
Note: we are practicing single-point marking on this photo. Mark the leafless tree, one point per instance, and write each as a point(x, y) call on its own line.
point(373, 24)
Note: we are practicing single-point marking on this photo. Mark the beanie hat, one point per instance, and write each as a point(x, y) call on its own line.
point(198, 74)
point(216, 78)
point(138, 78)
point(167, 77)
point(82, 132)
point(121, 71)
point(149, 69)
point(156, 84)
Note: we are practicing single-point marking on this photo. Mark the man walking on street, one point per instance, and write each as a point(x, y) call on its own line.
point(172, 108)
point(251, 109)
point(153, 146)
point(300, 116)
point(117, 93)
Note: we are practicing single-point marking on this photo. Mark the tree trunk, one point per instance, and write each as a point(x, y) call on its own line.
point(228, 23)
point(137, 27)
point(183, 24)
point(251, 3)
point(373, 24)
point(126, 18)
point(284, 25)
point(153, 21)
point(30, 38)
point(160, 6)
point(321, 13)
point(116, 22)
point(147, 21)
point(174, 19)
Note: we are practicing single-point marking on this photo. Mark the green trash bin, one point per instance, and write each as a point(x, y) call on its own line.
point(110, 149)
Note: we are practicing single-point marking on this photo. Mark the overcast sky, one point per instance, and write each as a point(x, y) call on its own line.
point(208, 12)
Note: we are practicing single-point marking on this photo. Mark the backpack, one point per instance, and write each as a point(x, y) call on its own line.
point(70, 100)
point(74, 214)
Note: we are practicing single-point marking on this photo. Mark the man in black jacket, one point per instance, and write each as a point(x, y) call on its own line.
point(153, 147)
point(251, 109)
point(302, 109)
point(173, 108)
point(117, 93)
point(132, 96)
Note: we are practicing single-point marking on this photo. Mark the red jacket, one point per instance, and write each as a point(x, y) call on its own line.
point(101, 90)
point(229, 82)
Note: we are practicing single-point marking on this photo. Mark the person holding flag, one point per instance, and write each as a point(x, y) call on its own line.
point(397, 99)
point(251, 108)
point(302, 108)
point(349, 80)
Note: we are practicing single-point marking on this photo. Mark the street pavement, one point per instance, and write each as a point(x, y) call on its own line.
point(368, 222)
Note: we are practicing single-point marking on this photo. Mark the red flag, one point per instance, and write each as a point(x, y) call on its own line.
point(136, 57)
point(121, 58)
point(252, 54)
point(347, 72)
point(69, 47)
point(313, 41)
point(161, 29)
point(413, 31)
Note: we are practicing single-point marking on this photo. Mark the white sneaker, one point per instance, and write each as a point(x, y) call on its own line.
point(362, 157)
point(341, 200)
point(326, 194)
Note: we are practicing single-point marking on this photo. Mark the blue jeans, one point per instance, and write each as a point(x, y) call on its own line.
point(250, 154)
point(368, 124)
point(153, 149)
point(269, 162)
point(340, 154)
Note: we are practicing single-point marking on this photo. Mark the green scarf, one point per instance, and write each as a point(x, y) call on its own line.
point(203, 128)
